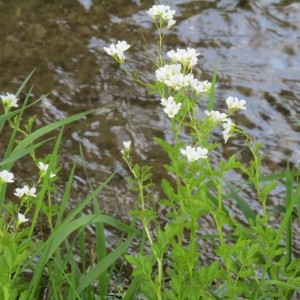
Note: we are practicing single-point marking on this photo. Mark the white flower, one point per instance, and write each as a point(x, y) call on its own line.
point(6, 176)
point(172, 76)
point(10, 100)
point(193, 153)
point(228, 125)
point(21, 218)
point(187, 57)
point(178, 81)
point(25, 191)
point(235, 103)
point(200, 86)
point(127, 145)
point(164, 73)
point(19, 192)
point(171, 22)
point(166, 102)
point(29, 191)
point(117, 50)
point(43, 168)
point(171, 107)
point(126, 149)
point(172, 110)
point(216, 116)
point(161, 11)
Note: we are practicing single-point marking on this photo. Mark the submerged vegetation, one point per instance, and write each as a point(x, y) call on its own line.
point(252, 258)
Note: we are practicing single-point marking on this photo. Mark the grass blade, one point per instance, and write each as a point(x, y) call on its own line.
point(288, 200)
point(24, 83)
point(212, 91)
point(45, 184)
point(48, 128)
point(63, 232)
point(101, 253)
point(81, 206)
point(103, 265)
point(17, 155)
point(133, 288)
point(243, 205)
point(65, 197)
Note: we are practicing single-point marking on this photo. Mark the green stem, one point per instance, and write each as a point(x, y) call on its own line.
point(145, 225)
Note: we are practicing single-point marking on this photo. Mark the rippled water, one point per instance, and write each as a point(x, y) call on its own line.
point(254, 44)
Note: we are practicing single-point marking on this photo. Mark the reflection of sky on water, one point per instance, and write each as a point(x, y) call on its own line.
point(87, 4)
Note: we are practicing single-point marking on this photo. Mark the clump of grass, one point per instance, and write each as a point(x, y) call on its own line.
point(33, 267)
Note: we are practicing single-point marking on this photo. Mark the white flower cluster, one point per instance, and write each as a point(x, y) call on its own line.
point(178, 75)
point(233, 104)
point(194, 153)
point(162, 13)
point(125, 152)
point(171, 75)
point(6, 176)
point(171, 107)
point(200, 87)
point(127, 145)
point(216, 116)
point(43, 169)
point(165, 72)
point(178, 81)
point(9, 101)
point(22, 218)
point(228, 126)
point(187, 57)
point(25, 191)
point(117, 50)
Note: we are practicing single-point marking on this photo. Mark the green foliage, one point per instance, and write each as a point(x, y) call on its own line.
point(30, 265)
point(240, 257)
point(250, 257)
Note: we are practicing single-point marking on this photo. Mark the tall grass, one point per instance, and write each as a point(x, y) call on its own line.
point(57, 267)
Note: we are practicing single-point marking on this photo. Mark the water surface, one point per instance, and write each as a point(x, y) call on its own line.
point(255, 46)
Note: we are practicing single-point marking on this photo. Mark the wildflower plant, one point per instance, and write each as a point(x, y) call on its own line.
point(249, 256)
point(117, 51)
point(36, 246)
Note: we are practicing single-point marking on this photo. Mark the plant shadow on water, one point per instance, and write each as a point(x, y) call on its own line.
point(255, 47)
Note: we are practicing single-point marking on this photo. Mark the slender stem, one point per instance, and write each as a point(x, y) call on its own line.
point(145, 225)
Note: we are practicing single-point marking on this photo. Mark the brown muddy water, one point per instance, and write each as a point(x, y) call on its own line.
point(254, 44)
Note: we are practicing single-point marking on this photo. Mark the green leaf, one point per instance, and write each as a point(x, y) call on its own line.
point(283, 284)
point(243, 205)
point(64, 231)
point(133, 288)
point(288, 200)
point(27, 141)
point(246, 273)
point(103, 265)
point(212, 91)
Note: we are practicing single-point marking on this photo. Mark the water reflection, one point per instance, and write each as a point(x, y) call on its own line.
point(255, 45)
